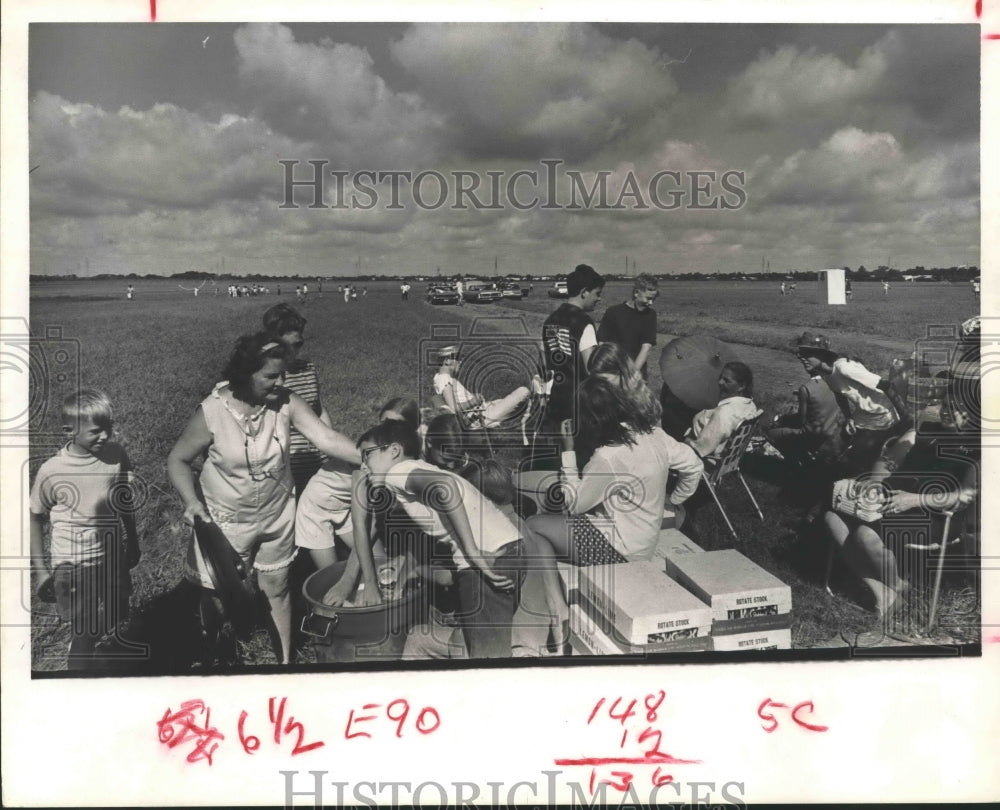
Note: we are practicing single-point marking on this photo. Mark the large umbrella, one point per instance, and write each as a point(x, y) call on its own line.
point(691, 366)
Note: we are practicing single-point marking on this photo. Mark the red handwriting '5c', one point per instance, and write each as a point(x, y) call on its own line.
point(795, 712)
point(428, 719)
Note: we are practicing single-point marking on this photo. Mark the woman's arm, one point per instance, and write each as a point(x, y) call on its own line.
point(332, 442)
point(689, 469)
point(194, 440)
point(712, 436)
point(589, 489)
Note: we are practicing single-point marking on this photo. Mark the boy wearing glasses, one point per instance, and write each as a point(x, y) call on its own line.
point(486, 546)
point(632, 324)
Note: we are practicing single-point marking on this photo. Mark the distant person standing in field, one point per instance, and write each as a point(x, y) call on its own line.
point(347, 293)
point(242, 431)
point(782, 288)
point(848, 289)
point(885, 288)
point(129, 292)
point(460, 289)
point(305, 292)
point(632, 324)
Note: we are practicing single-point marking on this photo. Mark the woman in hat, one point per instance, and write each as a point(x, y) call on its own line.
point(815, 431)
point(242, 430)
point(873, 409)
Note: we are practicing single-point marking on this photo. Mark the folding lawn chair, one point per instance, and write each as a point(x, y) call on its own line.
point(948, 539)
point(729, 462)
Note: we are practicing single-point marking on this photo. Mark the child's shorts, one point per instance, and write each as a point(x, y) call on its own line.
point(94, 599)
point(588, 546)
point(269, 546)
point(324, 509)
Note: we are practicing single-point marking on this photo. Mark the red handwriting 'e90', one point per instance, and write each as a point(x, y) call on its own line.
point(796, 712)
point(426, 720)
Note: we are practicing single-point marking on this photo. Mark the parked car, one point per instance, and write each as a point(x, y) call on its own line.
point(559, 290)
point(481, 292)
point(512, 289)
point(442, 294)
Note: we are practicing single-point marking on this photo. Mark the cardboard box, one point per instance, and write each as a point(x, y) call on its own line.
point(570, 576)
point(598, 637)
point(672, 542)
point(734, 586)
point(752, 624)
point(760, 640)
point(641, 602)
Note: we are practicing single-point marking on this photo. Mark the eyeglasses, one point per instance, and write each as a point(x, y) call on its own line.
point(369, 450)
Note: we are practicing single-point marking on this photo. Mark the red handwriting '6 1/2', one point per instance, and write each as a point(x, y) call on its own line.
point(796, 712)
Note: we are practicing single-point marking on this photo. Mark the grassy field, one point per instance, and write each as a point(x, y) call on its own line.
point(159, 355)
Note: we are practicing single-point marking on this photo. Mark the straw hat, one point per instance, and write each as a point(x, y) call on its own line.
point(812, 343)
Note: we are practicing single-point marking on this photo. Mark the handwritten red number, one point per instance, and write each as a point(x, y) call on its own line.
point(597, 707)
point(661, 780)
point(773, 721)
point(249, 741)
point(204, 736)
point(423, 723)
point(629, 712)
point(401, 718)
point(652, 707)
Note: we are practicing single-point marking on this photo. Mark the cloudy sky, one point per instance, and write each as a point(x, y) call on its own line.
point(156, 149)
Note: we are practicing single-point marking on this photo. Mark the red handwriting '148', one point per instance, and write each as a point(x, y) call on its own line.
point(796, 712)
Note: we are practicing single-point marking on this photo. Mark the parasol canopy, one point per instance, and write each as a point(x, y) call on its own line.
point(691, 366)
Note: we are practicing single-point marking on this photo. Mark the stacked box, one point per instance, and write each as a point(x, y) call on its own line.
point(570, 576)
point(780, 639)
point(593, 634)
point(672, 542)
point(746, 601)
point(641, 605)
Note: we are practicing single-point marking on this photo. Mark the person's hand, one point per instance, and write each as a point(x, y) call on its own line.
point(337, 595)
point(566, 434)
point(498, 581)
point(900, 501)
point(196, 510)
point(367, 596)
point(850, 427)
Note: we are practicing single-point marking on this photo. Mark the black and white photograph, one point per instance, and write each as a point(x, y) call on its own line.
point(536, 356)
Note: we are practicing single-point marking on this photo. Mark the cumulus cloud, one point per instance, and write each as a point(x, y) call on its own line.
point(93, 161)
point(788, 82)
point(330, 95)
point(560, 90)
point(857, 166)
